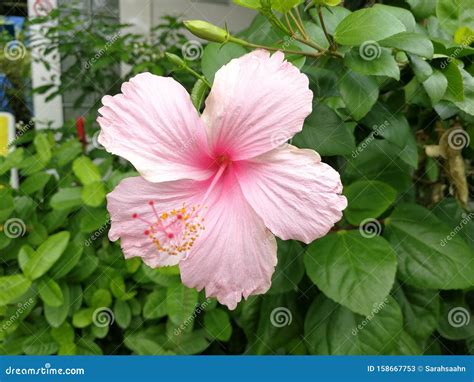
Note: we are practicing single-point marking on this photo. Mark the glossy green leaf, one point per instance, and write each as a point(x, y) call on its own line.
point(427, 259)
point(353, 270)
point(367, 199)
point(369, 24)
point(46, 255)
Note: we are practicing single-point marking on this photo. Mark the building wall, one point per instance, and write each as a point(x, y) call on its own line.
point(145, 13)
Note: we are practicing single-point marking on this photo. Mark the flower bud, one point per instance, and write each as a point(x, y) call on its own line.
point(178, 61)
point(207, 31)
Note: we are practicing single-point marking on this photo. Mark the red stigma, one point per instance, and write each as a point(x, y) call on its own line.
point(134, 216)
point(151, 202)
point(179, 216)
point(146, 232)
point(170, 235)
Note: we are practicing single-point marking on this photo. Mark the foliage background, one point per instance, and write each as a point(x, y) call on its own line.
point(393, 112)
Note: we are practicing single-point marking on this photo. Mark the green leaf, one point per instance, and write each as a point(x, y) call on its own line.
point(359, 93)
point(101, 298)
point(369, 24)
point(7, 205)
point(436, 86)
point(66, 198)
point(180, 303)
point(427, 258)
point(83, 318)
point(367, 199)
point(86, 171)
point(354, 271)
point(370, 59)
point(63, 334)
point(456, 322)
point(35, 183)
point(93, 194)
point(376, 159)
point(198, 94)
point(155, 305)
point(43, 148)
point(325, 132)
point(422, 9)
point(46, 255)
point(331, 16)
point(12, 287)
point(290, 268)
point(55, 316)
point(453, 14)
point(70, 258)
point(331, 329)
point(252, 4)
point(403, 15)
point(217, 324)
point(420, 310)
point(122, 313)
point(50, 292)
point(216, 55)
point(40, 344)
point(407, 346)
point(455, 90)
point(410, 42)
point(284, 6)
point(142, 345)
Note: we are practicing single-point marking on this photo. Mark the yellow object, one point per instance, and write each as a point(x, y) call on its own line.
point(4, 130)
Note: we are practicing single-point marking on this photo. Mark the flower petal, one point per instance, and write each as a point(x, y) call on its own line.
point(132, 196)
point(257, 103)
point(236, 255)
point(297, 195)
point(154, 125)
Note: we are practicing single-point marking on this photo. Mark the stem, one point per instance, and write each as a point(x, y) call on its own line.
point(289, 25)
point(309, 54)
point(298, 26)
point(197, 75)
point(321, 20)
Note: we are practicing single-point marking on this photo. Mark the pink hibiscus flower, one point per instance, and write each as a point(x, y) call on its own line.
point(216, 188)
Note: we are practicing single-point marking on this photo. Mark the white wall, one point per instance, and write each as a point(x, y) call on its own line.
point(146, 13)
point(51, 111)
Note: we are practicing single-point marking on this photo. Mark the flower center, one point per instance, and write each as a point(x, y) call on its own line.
point(173, 232)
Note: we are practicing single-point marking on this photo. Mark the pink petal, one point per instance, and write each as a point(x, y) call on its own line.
point(154, 125)
point(296, 195)
point(257, 103)
point(236, 255)
point(132, 196)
